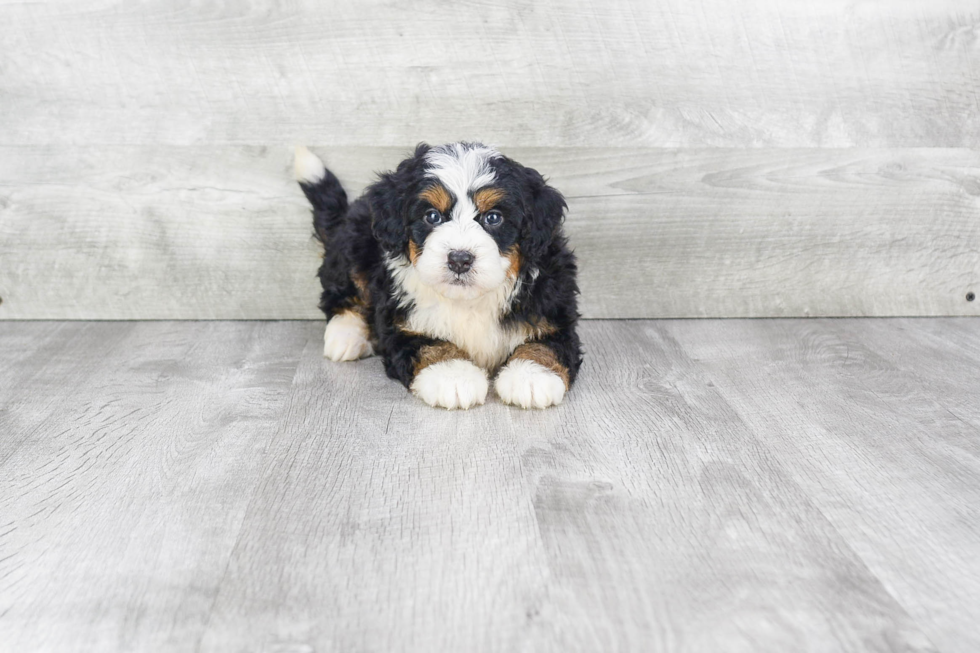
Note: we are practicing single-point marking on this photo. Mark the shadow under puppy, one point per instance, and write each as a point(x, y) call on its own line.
point(453, 268)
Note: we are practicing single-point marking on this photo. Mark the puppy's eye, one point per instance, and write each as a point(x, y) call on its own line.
point(433, 217)
point(493, 218)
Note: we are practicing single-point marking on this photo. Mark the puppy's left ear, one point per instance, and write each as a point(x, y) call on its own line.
point(388, 199)
point(546, 213)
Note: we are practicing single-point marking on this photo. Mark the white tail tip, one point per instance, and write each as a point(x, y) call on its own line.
point(307, 166)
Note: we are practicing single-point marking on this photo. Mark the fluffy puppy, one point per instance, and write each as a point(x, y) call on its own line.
point(454, 268)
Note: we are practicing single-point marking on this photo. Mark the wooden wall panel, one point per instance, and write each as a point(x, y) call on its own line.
point(672, 73)
point(141, 232)
point(750, 158)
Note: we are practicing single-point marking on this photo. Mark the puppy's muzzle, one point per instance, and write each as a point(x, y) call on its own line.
point(460, 261)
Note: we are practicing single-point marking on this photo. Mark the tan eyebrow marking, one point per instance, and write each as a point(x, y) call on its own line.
point(486, 198)
point(438, 197)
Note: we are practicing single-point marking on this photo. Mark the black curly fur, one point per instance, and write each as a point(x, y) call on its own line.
point(387, 218)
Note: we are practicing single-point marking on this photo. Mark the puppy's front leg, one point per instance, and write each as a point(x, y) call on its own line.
point(437, 372)
point(445, 377)
point(535, 376)
point(346, 337)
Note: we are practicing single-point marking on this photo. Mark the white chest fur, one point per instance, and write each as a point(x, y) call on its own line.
point(472, 325)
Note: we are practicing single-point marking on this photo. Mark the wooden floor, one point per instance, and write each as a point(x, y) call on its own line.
point(753, 485)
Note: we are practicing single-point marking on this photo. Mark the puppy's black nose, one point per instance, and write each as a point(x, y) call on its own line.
point(460, 261)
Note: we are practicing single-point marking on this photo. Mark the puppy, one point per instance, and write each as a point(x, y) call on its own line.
point(454, 268)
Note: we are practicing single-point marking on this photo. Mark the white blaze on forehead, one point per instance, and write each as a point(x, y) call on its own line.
point(462, 167)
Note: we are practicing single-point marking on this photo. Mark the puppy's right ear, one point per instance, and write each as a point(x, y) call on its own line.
point(390, 198)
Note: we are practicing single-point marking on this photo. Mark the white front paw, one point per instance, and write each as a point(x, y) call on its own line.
point(346, 338)
point(451, 384)
point(526, 384)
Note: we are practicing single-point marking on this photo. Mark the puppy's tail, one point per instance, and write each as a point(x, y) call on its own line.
point(322, 188)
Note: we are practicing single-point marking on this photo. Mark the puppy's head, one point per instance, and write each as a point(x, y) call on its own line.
point(467, 218)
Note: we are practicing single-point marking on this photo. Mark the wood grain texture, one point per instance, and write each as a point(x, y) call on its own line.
point(42, 363)
point(119, 232)
point(882, 442)
point(677, 73)
point(392, 526)
point(738, 485)
point(945, 357)
point(120, 503)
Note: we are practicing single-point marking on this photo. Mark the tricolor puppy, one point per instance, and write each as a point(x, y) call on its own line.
point(454, 268)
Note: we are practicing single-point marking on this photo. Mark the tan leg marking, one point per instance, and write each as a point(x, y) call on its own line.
point(432, 354)
point(543, 356)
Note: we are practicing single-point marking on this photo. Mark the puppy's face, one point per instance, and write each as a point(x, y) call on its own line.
point(464, 217)
point(464, 228)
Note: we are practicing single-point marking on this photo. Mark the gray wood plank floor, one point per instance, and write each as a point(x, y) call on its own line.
point(740, 485)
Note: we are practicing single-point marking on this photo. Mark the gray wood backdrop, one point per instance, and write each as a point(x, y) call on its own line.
point(750, 158)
